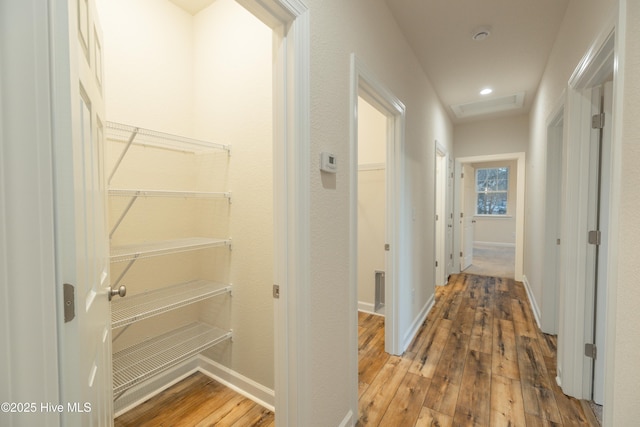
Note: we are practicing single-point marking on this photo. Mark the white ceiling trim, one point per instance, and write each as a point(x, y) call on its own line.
point(493, 105)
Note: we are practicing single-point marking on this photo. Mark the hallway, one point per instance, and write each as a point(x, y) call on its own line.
point(479, 359)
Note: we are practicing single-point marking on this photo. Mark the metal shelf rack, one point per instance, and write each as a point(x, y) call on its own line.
point(127, 311)
point(142, 361)
point(151, 249)
point(132, 135)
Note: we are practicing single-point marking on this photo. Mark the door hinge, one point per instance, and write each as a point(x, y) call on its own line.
point(595, 237)
point(69, 300)
point(461, 215)
point(590, 350)
point(276, 291)
point(436, 263)
point(387, 247)
point(450, 256)
point(460, 253)
point(557, 241)
point(597, 121)
point(437, 217)
point(462, 175)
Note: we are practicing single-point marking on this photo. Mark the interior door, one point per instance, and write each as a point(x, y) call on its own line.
point(449, 219)
point(602, 250)
point(440, 218)
point(468, 223)
point(82, 245)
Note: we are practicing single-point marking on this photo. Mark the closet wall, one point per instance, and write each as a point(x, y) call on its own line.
point(372, 143)
point(206, 76)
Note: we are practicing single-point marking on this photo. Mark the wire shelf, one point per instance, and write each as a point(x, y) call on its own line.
point(147, 137)
point(140, 362)
point(125, 311)
point(151, 249)
point(169, 193)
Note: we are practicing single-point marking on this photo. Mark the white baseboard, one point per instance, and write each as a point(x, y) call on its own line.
point(366, 307)
point(235, 381)
point(347, 420)
point(495, 244)
point(245, 386)
point(415, 326)
point(532, 300)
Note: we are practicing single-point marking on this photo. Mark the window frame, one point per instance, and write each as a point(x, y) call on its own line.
point(505, 192)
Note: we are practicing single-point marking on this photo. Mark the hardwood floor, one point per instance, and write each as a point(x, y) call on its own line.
point(197, 401)
point(478, 360)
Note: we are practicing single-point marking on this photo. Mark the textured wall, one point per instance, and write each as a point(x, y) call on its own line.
point(366, 28)
point(581, 25)
point(626, 376)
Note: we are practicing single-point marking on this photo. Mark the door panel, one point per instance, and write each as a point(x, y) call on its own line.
point(449, 219)
point(603, 221)
point(468, 210)
point(86, 389)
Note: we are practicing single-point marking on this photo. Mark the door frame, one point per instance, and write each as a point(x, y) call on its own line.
point(441, 160)
point(290, 22)
point(366, 85)
point(27, 152)
point(549, 312)
point(577, 316)
point(520, 194)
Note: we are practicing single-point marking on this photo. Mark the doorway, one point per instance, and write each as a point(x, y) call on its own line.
point(553, 223)
point(372, 207)
point(365, 85)
point(444, 215)
point(587, 219)
point(466, 213)
point(288, 19)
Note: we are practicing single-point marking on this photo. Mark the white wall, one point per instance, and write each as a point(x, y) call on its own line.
point(206, 76)
point(626, 295)
point(366, 28)
point(497, 136)
point(582, 22)
point(232, 104)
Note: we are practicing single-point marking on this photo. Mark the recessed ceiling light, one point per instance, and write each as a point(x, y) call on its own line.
point(481, 33)
point(486, 91)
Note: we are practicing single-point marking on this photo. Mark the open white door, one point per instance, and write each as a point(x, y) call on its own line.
point(80, 209)
point(603, 225)
point(468, 223)
point(449, 218)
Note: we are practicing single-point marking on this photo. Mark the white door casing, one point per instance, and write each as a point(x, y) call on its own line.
point(80, 210)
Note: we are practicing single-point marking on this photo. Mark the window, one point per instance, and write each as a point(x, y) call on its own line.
point(492, 186)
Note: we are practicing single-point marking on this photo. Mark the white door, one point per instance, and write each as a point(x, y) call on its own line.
point(468, 210)
point(449, 219)
point(82, 245)
point(440, 217)
point(602, 251)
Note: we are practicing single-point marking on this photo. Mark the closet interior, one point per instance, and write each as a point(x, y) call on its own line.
point(189, 171)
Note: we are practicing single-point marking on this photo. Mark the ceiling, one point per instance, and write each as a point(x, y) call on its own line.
point(192, 6)
point(510, 60)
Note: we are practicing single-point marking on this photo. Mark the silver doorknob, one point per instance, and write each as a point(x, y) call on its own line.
point(121, 291)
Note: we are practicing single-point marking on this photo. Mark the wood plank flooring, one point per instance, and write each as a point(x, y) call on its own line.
point(478, 360)
point(197, 401)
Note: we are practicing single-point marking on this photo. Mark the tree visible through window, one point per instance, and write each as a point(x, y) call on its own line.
point(492, 186)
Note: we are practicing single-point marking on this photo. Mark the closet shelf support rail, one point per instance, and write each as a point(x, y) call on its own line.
point(134, 133)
